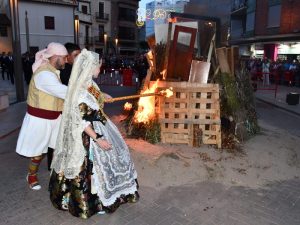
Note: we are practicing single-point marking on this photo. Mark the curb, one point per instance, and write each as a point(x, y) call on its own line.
point(10, 132)
point(278, 106)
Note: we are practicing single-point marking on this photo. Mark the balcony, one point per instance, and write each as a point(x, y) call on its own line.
point(84, 17)
point(88, 40)
point(99, 40)
point(239, 8)
point(102, 17)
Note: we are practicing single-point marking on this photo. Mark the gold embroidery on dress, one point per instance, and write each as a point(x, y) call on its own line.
point(100, 98)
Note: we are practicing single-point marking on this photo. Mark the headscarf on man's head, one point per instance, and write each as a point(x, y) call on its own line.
point(41, 57)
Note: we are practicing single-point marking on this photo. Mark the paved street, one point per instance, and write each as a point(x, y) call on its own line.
point(278, 117)
point(204, 203)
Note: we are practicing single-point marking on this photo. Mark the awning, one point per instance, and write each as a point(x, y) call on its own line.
point(266, 39)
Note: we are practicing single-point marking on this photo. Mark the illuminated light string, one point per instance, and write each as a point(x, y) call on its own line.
point(155, 15)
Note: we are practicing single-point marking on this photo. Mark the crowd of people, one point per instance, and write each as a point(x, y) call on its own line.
point(7, 66)
point(283, 72)
point(139, 64)
point(92, 171)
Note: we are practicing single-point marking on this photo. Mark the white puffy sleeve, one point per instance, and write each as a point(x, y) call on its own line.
point(47, 81)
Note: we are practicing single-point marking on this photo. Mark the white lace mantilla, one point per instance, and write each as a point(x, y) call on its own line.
point(69, 152)
point(113, 171)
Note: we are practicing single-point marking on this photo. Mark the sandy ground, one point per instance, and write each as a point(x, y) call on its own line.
point(273, 155)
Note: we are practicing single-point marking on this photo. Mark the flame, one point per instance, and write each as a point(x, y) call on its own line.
point(127, 106)
point(163, 73)
point(167, 93)
point(146, 106)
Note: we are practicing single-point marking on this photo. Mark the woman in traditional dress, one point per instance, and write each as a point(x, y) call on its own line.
point(92, 171)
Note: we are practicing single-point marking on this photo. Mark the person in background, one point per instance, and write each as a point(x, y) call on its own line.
point(73, 51)
point(266, 71)
point(44, 106)
point(9, 63)
point(2, 64)
point(27, 62)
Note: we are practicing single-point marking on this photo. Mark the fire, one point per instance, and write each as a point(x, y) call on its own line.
point(163, 73)
point(127, 106)
point(167, 93)
point(146, 106)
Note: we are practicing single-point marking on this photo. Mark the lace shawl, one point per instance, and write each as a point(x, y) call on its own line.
point(69, 152)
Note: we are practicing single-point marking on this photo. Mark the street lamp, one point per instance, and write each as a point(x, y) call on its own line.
point(14, 13)
point(116, 41)
point(105, 43)
point(76, 21)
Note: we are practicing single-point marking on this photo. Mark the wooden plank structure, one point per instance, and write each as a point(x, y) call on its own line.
point(191, 116)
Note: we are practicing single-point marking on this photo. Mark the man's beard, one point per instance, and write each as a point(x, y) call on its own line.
point(58, 65)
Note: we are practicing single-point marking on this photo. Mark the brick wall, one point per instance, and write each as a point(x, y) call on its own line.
point(261, 17)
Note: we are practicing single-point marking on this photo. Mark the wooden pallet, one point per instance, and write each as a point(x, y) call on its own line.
point(191, 116)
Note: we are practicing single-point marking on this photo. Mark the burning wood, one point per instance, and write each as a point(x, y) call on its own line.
point(127, 106)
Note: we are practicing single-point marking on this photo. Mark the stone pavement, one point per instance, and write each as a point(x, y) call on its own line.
point(268, 96)
point(205, 203)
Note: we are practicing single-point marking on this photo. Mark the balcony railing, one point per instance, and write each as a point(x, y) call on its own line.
point(238, 4)
point(99, 39)
point(84, 17)
point(102, 16)
point(88, 40)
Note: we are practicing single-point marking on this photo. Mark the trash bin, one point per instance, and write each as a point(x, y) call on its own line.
point(292, 98)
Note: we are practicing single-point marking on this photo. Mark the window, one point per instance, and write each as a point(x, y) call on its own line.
point(101, 33)
point(126, 14)
point(250, 21)
point(84, 9)
point(49, 23)
point(274, 16)
point(3, 31)
point(126, 33)
point(101, 8)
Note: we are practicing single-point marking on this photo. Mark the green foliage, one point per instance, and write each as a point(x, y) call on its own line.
point(237, 101)
point(229, 98)
point(149, 131)
point(152, 134)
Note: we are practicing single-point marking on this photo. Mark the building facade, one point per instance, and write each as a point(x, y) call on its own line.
point(157, 12)
point(124, 27)
point(48, 21)
point(108, 26)
point(269, 28)
point(216, 8)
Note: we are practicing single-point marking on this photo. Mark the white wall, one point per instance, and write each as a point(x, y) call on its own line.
point(38, 35)
point(107, 10)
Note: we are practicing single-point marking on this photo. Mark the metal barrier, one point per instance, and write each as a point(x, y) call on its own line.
point(259, 82)
point(114, 78)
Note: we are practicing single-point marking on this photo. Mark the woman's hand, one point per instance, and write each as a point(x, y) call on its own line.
point(107, 96)
point(103, 144)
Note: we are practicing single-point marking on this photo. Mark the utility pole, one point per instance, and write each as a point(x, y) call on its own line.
point(27, 32)
point(14, 13)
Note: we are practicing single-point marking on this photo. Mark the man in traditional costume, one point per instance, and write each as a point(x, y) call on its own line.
point(92, 168)
point(44, 106)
